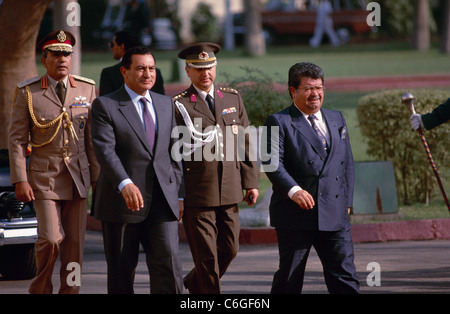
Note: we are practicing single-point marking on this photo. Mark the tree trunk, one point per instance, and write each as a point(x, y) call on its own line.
point(445, 48)
point(20, 22)
point(421, 31)
point(254, 39)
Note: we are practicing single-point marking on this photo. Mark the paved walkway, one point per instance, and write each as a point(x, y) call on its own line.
point(405, 267)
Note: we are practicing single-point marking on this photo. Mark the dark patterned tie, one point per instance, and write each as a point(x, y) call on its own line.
point(149, 124)
point(61, 91)
point(210, 102)
point(312, 118)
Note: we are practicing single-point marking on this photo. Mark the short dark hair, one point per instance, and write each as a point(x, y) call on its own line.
point(303, 69)
point(139, 50)
point(128, 39)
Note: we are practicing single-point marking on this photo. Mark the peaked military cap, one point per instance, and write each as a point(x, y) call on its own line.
point(59, 40)
point(201, 55)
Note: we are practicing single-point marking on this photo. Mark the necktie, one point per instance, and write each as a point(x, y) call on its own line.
point(61, 91)
point(210, 102)
point(312, 118)
point(149, 124)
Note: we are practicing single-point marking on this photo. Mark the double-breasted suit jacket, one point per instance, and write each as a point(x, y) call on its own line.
point(123, 152)
point(62, 155)
point(329, 178)
point(219, 179)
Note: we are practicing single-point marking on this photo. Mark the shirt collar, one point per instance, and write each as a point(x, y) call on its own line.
point(135, 96)
point(318, 114)
point(53, 82)
point(203, 94)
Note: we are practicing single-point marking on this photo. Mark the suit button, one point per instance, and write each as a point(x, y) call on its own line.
point(337, 178)
point(337, 195)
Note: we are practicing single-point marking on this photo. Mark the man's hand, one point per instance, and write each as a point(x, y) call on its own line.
point(416, 121)
point(250, 196)
point(133, 197)
point(303, 199)
point(24, 192)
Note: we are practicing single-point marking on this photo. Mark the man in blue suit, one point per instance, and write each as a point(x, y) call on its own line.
point(312, 186)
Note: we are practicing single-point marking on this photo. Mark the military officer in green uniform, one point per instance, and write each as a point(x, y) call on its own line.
point(214, 183)
point(51, 114)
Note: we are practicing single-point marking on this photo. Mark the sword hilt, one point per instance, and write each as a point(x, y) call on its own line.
point(408, 100)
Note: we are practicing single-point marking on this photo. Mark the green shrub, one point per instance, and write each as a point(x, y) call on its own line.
point(384, 122)
point(260, 94)
point(203, 24)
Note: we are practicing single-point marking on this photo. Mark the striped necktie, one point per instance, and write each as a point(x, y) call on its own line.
point(312, 118)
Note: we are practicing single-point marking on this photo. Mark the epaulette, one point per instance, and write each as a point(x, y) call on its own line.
point(179, 95)
point(84, 79)
point(228, 90)
point(28, 82)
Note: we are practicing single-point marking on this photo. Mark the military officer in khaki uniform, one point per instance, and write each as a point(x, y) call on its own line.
point(54, 121)
point(215, 181)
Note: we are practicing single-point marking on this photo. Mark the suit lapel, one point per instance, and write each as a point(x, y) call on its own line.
point(301, 125)
point(126, 107)
point(199, 105)
point(161, 112)
point(49, 92)
point(333, 130)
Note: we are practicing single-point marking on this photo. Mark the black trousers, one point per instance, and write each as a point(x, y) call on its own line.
point(158, 234)
point(335, 250)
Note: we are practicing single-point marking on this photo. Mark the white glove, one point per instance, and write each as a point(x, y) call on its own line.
point(416, 121)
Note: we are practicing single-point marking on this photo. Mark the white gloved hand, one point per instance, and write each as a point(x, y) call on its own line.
point(416, 121)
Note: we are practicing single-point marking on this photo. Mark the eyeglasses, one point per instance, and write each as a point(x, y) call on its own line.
point(310, 89)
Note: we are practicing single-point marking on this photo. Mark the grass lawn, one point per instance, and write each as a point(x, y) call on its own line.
point(374, 59)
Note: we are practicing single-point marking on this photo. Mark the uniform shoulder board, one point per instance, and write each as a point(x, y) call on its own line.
point(179, 95)
point(84, 79)
point(28, 82)
point(228, 90)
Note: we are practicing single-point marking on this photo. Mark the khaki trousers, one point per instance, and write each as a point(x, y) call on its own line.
point(61, 230)
point(213, 236)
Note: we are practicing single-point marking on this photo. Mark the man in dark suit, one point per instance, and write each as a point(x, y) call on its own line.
point(138, 187)
point(110, 78)
point(312, 187)
point(216, 180)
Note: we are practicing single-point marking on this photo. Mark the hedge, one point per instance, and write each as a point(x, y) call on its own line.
point(384, 122)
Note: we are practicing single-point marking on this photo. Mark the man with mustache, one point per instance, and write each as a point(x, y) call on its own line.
point(312, 187)
point(51, 114)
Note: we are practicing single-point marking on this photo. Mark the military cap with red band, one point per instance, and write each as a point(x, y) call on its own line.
point(59, 40)
point(201, 55)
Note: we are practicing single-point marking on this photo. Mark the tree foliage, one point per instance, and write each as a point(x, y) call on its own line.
point(260, 94)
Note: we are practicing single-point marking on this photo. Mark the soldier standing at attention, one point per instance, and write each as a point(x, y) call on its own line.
point(213, 186)
point(52, 114)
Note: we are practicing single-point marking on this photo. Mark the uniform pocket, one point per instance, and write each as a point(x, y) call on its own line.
point(39, 175)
